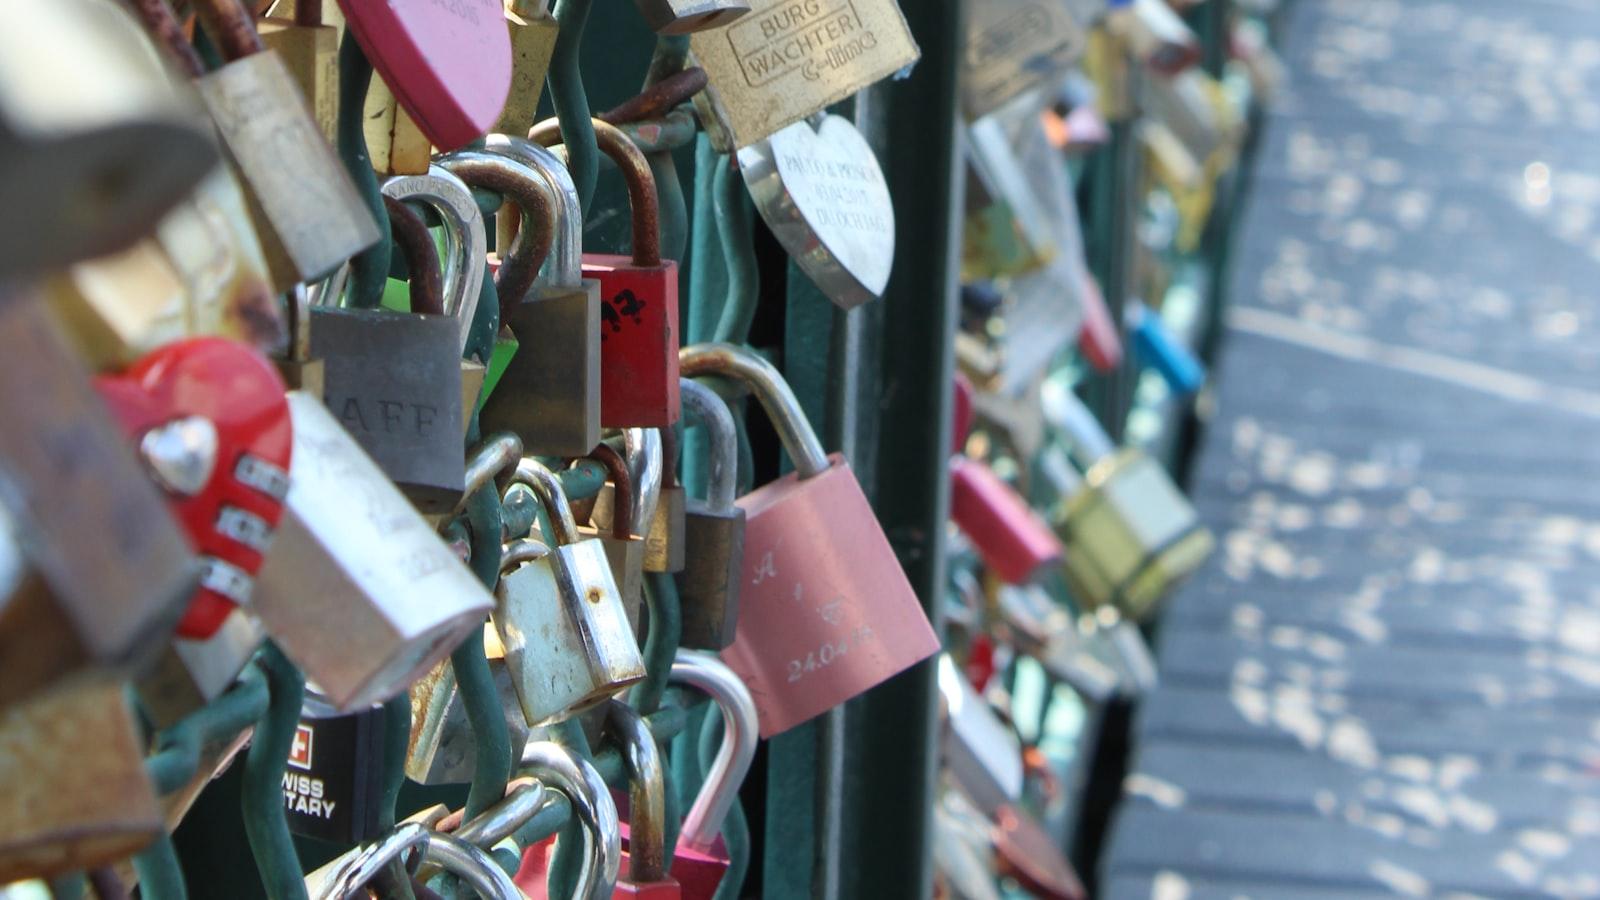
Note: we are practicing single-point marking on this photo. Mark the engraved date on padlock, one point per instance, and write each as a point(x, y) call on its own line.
point(830, 651)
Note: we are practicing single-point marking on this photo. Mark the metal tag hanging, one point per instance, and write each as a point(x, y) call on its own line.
point(818, 186)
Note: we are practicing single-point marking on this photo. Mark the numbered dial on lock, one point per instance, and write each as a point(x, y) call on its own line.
point(212, 426)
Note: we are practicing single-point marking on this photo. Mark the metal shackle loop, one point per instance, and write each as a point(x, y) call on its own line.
point(531, 193)
point(415, 243)
point(1065, 411)
point(591, 804)
point(502, 820)
point(547, 487)
point(645, 461)
point(525, 550)
point(742, 363)
point(635, 171)
point(563, 266)
point(647, 792)
point(622, 486)
point(473, 866)
point(703, 402)
point(349, 876)
point(704, 672)
point(498, 454)
point(465, 243)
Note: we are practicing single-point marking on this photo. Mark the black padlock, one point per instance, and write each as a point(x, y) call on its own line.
point(333, 785)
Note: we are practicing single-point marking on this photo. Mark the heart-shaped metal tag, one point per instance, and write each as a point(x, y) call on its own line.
point(448, 62)
point(818, 186)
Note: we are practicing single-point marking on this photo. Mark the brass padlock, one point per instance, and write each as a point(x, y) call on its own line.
point(358, 590)
point(395, 144)
point(653, 502)
point(708, 588)
point(1015, 46)
point(561, 620)
point(307, 212)
point(785, 61)
point(533, 42)
point(1131, 536)
point(71, 605)
point(550, 392)
point(310, 51)
point(625, 550)
point(96, 142)
point(72, 771)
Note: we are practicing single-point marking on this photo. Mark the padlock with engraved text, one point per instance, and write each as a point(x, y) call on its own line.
point(708, 587)
point(646, 859)
point(825, 612)
point(550, 392)
point(1012, 540)
point(561, 620)
point(1130, 534)
point(307, 212)
point(72, 769)
point(448, 64)
point(358, 590)
point(210, 421)
point(71, 605)
point(533, 42)
point(788, 60)
point(333, 782)
point(624, 548)
point(310, 51)
point(393, 379)
point(639, 299)
point(687, 16)
point(96, 142)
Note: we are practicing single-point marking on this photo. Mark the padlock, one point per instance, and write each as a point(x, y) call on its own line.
point(395, 145)
point(443, 747)
point(646, 858)
point(639, 299)
point(561, 620)
point(1008, 230)
point(1153, 34)
point(333, 780)
point(1043, 629)
point(1015, 46)
point(1012, 540)
point(1027, 854)
point(624, 548)
point(786, 61)
point(1160, 349)
point(95, 141)
point(826, 612)
point(1131, 536)
point(688, 16)
point(983, 752)
point(592, 807)
point(533, 42)
point(358, 590)
point(347, 875)
point(210, 421)
point(306, 209)
point(310, 51)
point(654, 501)
point(708, 588)
point(74, 605)
point(448, 64)
point(664, 543)
point(394, 380)
point(72, 770)
point(550, 392)
point(535, 203)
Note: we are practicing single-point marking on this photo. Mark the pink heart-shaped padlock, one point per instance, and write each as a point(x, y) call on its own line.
point(209, 418)
point(448, 62)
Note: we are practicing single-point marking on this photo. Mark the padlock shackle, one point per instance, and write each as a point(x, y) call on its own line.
point(705, 672)
point(518, 182)
point(348, 875)
point(642, 203)
point(592, 806)
point(564, 265)
point(230, 26)
point(1066, 412)
point(465, 242)
point(702, 402)
point(518, 552)
point(547, 487)
point(495, 457)
point(643, 446)
point(783, 409)
point(500, 821)
point(622, 487)
point(647, 792)
point(411, 235)
point(157, 18)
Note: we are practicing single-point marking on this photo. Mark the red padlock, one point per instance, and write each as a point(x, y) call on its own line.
point(210, 420)
point(1101, 339)
point(962, 414)
point(826, 612)
point(448, 64)
point(638, 299)
point(1010, 537)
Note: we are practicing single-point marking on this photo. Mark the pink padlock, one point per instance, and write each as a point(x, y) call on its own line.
point(1101, 339)
point(1010, 537)
point(826, 612)
point(962, 415)
point(448, 64)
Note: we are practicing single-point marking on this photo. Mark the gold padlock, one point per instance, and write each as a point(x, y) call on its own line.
point(310, 50)
point(533, 41)
point(395, 145)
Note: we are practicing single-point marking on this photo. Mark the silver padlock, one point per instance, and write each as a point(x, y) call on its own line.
point(592, 806)
point(358, 590)
point(561, 620)
point(708, 588)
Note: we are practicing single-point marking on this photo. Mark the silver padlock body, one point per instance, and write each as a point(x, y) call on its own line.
point(982, 752)
point(1131, 536)
point(550, 392)
point(443, 748)
point(614, 652)
point(189, 674)
point(394, 381)
point(688, 16)
point(708, 587)
point(358, 590)
point(626, 559)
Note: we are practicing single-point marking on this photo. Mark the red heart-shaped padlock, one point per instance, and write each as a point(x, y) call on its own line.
point(209, 418)
point(448, 64)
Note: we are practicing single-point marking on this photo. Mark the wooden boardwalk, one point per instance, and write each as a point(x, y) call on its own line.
point(1388, 681)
